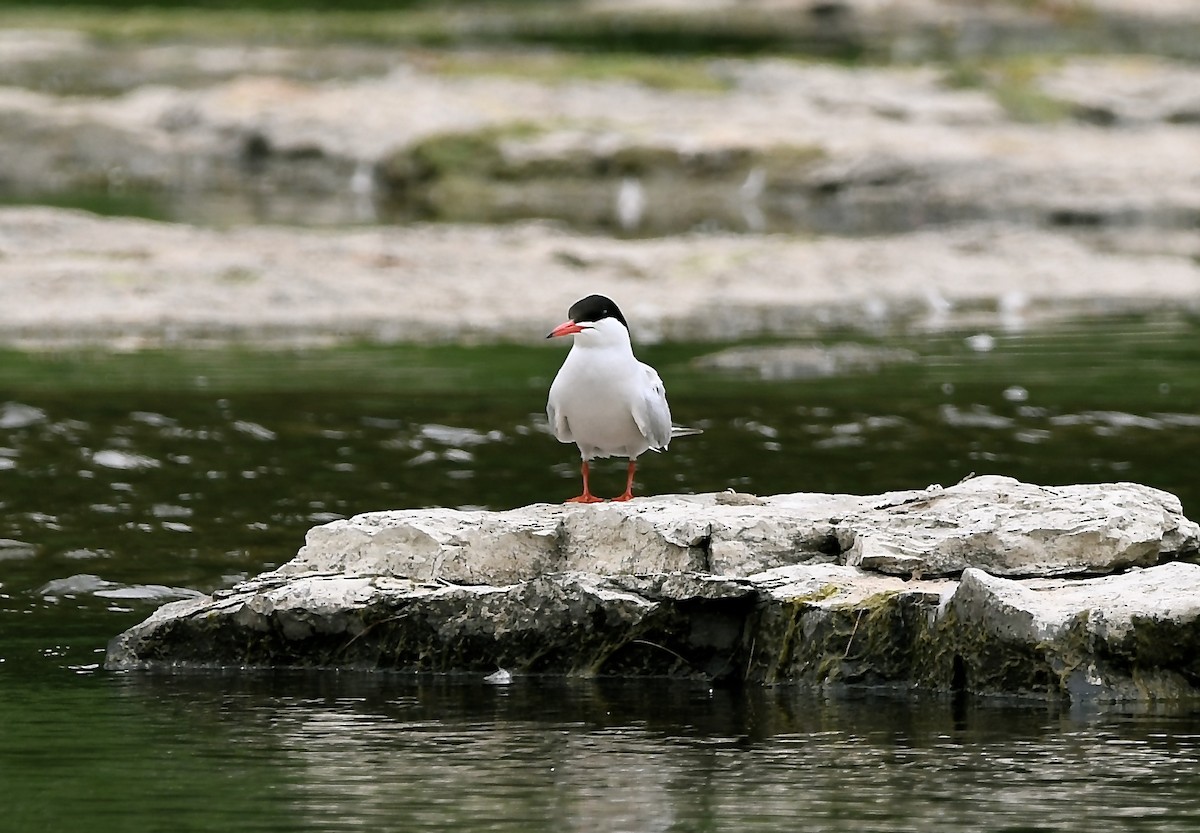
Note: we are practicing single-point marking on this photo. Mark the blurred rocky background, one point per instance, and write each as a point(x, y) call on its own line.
point(292, 173)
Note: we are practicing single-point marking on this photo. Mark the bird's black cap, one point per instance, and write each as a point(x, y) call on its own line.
point(595, 308)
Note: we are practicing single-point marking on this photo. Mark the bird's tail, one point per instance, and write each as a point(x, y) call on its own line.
point(681, 431)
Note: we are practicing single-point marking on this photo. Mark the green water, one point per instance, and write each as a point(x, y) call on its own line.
point(332, 754)
point(131, 479)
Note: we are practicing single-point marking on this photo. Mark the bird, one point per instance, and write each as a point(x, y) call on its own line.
point(603, 399)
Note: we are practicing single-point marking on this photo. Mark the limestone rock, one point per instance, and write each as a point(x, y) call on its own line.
point(1128, 89)
point(286, 286)
point(435, 544)
point(564, 623)
point(858, 150)
point(995, 523)
point(800, 588)
point(648, 535)
point(1016, 529)
point(1132, 636)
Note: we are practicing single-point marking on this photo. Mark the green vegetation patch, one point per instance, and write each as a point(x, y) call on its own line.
point(1013, 83)
point(488, 176)
point(677, 73)
point(563, 25)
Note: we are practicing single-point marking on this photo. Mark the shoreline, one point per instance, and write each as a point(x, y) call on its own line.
point(70, 279)
point(993, 187)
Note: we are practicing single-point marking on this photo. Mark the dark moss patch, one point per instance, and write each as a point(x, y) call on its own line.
point(469, 177)
point(954, 655)
point(685, 626)
point(1157, 644)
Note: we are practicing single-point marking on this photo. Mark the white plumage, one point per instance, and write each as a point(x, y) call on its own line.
point(603, 399)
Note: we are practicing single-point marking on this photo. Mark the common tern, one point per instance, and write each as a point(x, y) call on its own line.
point(603, 399)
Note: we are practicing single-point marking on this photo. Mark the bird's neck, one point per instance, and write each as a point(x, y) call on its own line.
point(612, 350)
point(612, 340)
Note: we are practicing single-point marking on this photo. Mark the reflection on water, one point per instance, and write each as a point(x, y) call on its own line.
point(342, 752)
point(126, 481)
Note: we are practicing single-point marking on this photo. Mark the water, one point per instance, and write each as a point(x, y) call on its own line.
point(128, 480)
point(328, 753)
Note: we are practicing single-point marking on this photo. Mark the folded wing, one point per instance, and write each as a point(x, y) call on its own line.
point(651, 413)
point(558, 423)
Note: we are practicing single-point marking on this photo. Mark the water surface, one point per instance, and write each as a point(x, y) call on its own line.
point(347, 752)
point(129, 480)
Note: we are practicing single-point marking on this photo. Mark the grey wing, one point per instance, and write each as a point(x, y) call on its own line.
point(558, 422)
point(651, 413)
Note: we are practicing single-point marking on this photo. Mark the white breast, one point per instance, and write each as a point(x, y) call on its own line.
point(608, 403)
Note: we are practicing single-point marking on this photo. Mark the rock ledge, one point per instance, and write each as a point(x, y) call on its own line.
point(991, 586)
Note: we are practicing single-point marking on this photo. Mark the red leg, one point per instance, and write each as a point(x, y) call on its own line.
point(587, 496)
point(628, 493)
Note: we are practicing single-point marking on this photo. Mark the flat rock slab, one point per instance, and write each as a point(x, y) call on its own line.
point(1016, 529)
point(996, 523)
point(901, 589)
point(285, 286)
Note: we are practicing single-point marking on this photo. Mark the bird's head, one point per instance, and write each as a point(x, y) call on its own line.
point(597, 318)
